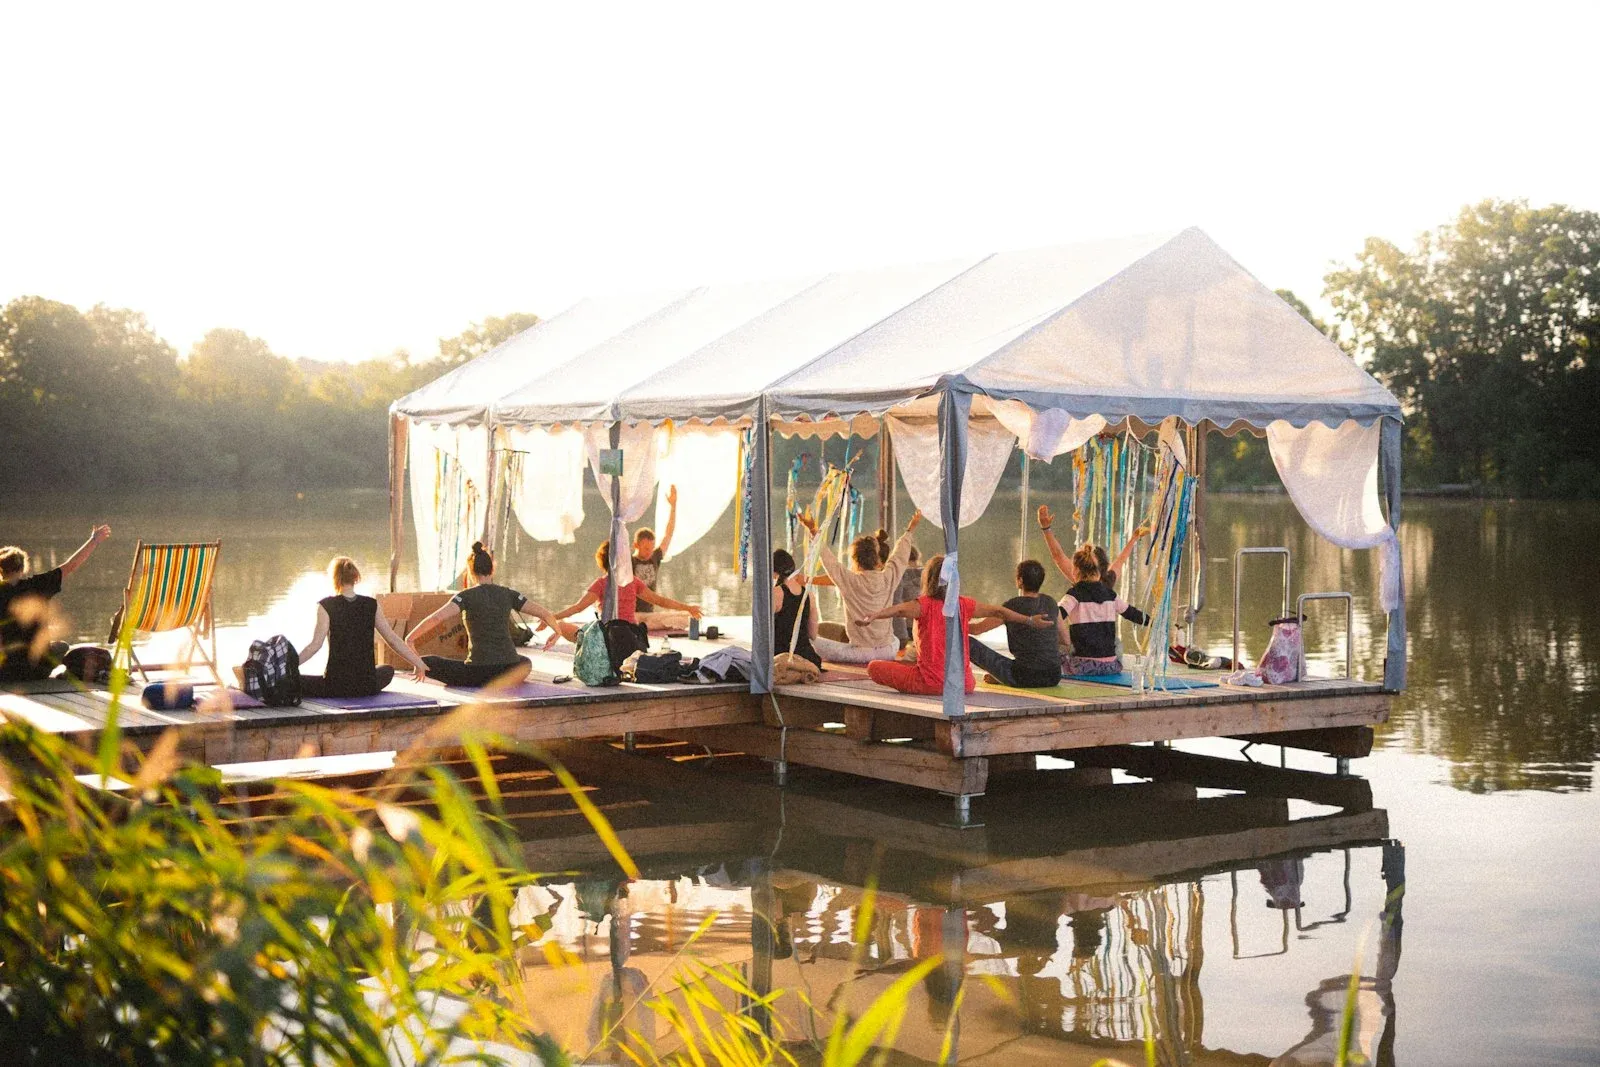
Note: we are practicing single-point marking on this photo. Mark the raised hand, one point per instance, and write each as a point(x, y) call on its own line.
point(916, 518)
point(1046, 519)
point(672, 496)
point(100, 533)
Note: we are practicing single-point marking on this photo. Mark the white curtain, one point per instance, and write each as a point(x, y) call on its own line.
point(916, 453)
point(1044, 435)
point(547, 495)
point(703, 462)
point(449, 479)
point(638, 444)
point(1331, 474)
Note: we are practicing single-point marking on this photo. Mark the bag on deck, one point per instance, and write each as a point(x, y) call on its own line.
point(1282, 662)
point(623, 639)
point(791, 669)
point(88, 663)
point(272, 672)
point(656, 670)
point(591, 664)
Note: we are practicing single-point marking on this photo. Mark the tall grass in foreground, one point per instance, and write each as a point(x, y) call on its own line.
point(146, 920)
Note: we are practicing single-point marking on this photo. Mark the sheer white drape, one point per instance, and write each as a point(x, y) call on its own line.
point(1044, 435)
point(703, 462)
point(916, 453)
point(548, 494)
point(1331, 474)
point(638, 444)
point(445, 534)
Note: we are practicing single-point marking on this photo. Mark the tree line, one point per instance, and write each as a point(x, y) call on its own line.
point(97, 399)
point(1487, 329)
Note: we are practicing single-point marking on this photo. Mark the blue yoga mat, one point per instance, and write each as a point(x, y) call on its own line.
point(1171, 683)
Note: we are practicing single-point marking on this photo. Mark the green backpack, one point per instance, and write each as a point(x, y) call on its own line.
point(592, 663)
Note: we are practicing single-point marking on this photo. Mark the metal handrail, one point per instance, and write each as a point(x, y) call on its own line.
point(1349, 629)
point(1238, 574)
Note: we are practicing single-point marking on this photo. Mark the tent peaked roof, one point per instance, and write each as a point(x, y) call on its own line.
point(1145, 326)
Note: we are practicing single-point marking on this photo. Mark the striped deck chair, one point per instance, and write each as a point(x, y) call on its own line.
point(169, 589)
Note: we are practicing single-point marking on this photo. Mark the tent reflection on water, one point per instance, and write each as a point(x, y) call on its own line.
point(1061, 940)
point(963, 361)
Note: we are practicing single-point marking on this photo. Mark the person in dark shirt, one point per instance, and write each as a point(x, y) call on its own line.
point(485, 608)
point(1088, 620)
point(348, 623)
point(26, 651)
point(647, 554)
point(1035, 661)
point(787, 597)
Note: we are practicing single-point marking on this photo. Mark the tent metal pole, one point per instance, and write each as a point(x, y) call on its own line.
point(1022, 525)
point(761, 553)
point(1197, 530)
point(399, 435)
point(609, 609)
point(955, 408)
point(886, 520)
point(1394, 660)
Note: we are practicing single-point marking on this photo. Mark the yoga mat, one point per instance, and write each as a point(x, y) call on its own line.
point(237, 697)
point(1171, 684)
point(521, 692)
point(1062, 691)
point(377, 702)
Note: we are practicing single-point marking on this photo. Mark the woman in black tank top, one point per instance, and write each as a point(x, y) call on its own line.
point(787, 596)
point(348, 623)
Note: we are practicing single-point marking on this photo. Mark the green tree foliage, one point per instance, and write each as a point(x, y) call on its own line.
point(480, 337)
point(96, 399)
point(1487, 331)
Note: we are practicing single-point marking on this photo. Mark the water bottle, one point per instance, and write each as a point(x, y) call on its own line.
point(694, 628)
point(1136, 668)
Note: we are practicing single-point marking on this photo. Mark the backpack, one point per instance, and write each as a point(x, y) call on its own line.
point(272, 672)
point(591, 664)
point(623, 639)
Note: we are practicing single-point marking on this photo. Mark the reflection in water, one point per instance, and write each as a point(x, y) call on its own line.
point(1064, 931)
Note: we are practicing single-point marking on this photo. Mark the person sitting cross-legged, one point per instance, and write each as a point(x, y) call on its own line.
point(1088, 622)
point(1035, 660)
point(926, 675)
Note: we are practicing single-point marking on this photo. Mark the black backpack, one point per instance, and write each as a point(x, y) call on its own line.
point(623, 639)
point(272, 672)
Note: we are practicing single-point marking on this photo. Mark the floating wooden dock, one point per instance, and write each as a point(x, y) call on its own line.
point(844, 723)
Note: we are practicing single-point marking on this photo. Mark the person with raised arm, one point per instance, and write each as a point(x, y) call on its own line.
point(26, 651)
point(647, 554)
point(869, 584)
point(926, 675)
point(1109, 568)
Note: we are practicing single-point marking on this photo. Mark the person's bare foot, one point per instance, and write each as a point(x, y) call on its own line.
point(989, 679)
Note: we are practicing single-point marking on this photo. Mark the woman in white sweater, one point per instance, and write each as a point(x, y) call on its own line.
point(867, 586)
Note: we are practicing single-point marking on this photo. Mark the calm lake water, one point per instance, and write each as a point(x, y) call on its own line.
point(1067, 906)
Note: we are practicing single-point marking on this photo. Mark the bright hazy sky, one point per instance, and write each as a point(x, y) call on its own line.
point(343, 180)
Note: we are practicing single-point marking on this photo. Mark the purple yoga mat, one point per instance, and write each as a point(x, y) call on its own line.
point(237, 697)
point(378, 701)
point(523, 691)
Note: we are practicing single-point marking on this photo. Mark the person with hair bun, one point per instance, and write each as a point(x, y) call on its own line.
point(788, 594)
point(485, 608)
point(347, 622)
point(1088, 622)
point(870, 583)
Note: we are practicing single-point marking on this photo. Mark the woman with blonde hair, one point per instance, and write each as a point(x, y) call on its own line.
point(348, 622)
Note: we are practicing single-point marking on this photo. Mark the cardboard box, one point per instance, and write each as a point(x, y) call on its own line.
point(405, 610)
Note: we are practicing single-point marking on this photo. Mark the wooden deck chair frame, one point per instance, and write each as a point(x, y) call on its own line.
point(159, 606)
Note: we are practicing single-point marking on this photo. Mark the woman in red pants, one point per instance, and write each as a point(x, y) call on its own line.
point(926, 676)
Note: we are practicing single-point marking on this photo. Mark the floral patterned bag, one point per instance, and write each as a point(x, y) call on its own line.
point(1282, 662)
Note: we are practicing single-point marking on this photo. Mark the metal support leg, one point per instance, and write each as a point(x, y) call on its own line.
point(1341, 766)
point(780, 771)
point(628, 744)
point(963, 808)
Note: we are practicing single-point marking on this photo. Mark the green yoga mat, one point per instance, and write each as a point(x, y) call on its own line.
point(1063, 691)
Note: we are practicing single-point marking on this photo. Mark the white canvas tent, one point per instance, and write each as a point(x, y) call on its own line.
point(1041, 348)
